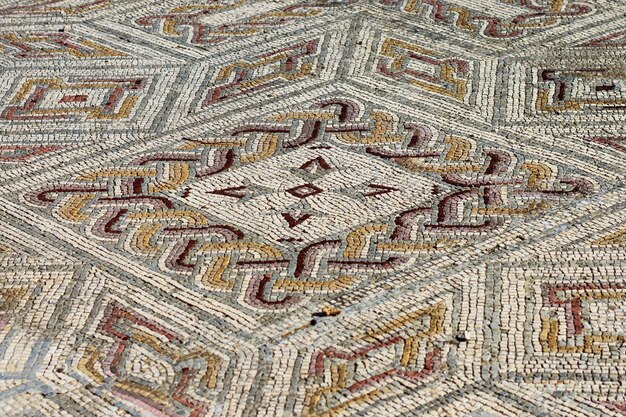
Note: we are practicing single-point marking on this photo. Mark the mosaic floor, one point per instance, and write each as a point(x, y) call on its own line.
point(312, 208)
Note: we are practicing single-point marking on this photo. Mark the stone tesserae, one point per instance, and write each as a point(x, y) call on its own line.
point(312, 208)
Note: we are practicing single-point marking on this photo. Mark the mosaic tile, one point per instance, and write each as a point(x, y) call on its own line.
point(312, 208)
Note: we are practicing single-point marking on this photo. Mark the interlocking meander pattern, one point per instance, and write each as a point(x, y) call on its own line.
point(312, 208)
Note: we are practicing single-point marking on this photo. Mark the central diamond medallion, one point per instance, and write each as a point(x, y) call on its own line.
point(310, 193)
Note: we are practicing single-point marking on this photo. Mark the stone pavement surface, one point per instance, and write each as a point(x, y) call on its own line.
point(312, 208)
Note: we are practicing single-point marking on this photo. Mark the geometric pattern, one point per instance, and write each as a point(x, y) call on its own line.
point(47, 45)
point(445, 82)
point(171, 185)
point(37, 99)
point(135, 351)
point(312, 208)
point(288, 63)
point(568, 318)
point(564, 84)
point(62, 7)
point(186, 23)
point(531, 17)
